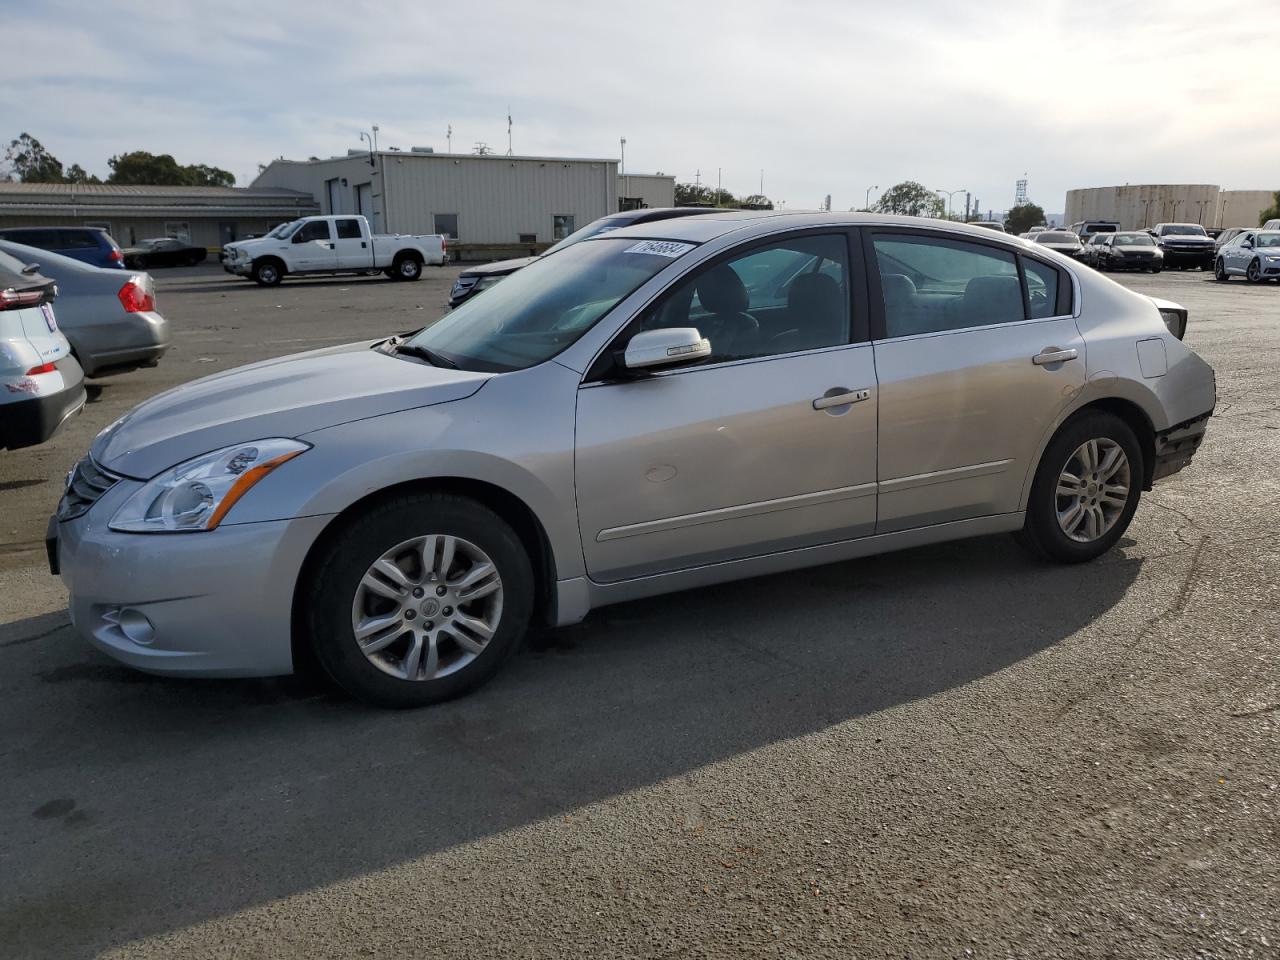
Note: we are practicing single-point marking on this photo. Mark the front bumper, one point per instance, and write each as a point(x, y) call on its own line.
point(241, 268)
point(215, 604)
point(30, 421)
point(1175, 255)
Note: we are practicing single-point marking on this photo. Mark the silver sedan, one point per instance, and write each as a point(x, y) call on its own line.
point(108, 315)
point(658, 408)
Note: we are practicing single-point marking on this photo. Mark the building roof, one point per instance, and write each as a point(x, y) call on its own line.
point(80, 199)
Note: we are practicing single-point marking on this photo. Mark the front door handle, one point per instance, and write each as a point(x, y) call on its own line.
point(842, 398)
point(1054, 355)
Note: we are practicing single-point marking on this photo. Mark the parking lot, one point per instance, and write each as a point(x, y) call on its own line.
point(950, 751)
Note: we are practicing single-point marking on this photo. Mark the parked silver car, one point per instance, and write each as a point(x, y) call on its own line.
point(109, 315)
point(658, 408)
point(1253, 254)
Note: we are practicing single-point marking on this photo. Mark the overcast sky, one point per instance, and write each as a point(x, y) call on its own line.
point(826, 97)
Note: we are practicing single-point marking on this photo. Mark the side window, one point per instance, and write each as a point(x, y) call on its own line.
point(348, 229)
point(788, 296)
point(1042, 289)
point(315, 230)
point(932, 284)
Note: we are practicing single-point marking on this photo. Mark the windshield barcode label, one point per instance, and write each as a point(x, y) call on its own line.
point(661, 248)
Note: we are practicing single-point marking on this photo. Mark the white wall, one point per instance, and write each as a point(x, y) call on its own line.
point(1241, 208)
point(1137, 206)
point(654, 190)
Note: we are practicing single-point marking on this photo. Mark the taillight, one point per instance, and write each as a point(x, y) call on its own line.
point(115, 256)
point(136, 297)
point(43, 368)
point(14, 299)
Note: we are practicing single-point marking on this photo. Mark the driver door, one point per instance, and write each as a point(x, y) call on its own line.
point(312, 248)
point(745, 454)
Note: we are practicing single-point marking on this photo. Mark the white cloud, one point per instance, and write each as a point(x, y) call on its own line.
point(827, 97)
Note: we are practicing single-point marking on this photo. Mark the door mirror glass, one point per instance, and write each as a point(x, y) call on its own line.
point(665, 348)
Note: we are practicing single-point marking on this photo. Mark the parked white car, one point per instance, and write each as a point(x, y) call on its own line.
point(343, 244)
point(41, 385)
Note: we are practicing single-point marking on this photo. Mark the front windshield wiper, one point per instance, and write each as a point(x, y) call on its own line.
point(396, 345)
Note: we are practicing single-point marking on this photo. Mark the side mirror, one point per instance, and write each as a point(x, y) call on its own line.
point(665, 348)
point(1247, 243)
point(30, 269)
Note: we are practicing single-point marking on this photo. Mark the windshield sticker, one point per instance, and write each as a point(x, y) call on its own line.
point(661, 248)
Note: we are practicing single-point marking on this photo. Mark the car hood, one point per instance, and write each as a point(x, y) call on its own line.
point(499, 267)
point(286, 397)
point(1186, 238)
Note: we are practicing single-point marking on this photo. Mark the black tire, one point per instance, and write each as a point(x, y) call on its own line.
point(1041, 532)
point(325, 604)
point(268, 272)
point(1156, 269)
point(1220, 271)
point(407, 267)
point(1254, 271)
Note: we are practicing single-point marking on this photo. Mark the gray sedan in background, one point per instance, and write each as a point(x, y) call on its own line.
point(109, 316)
point(657, 408)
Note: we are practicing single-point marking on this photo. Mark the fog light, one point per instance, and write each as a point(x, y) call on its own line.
point(135, 625)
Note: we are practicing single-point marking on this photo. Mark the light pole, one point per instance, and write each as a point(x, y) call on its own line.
point(866, 202)
point(950, 194)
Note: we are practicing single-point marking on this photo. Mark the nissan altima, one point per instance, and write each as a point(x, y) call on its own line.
point(657, 408)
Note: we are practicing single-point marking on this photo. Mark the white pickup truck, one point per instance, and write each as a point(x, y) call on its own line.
point(341, 244)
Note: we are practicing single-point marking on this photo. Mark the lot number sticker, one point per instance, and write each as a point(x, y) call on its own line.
point(661, 248)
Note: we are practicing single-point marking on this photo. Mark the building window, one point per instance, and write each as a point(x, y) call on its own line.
point(178, 229)
point(528, 238)
point(446, 224)
point(561, 226)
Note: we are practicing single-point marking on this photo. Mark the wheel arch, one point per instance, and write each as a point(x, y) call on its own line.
point(511, 508)
point(408, 253)
point(270, 258)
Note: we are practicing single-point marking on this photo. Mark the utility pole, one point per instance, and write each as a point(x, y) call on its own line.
point(448, 138)
point(510, 152)
point(375, 138)
point(866, 202)
point(697, 178)
point(762, 182)
point(719, 171)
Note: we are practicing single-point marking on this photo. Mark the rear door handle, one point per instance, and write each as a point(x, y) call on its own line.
point(1054, 355)
point(842, 399)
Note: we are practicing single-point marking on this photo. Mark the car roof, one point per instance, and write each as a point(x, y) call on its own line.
point(750, 223)
point(48, 258)
point(649, 214)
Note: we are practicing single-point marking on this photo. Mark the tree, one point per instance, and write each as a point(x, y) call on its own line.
point(1023, 217)
point(1272, 212)
point(911, 199)
point(694, 195)
point(757, 201)
point(78, 174)
point(142, 168)
point(31, 162)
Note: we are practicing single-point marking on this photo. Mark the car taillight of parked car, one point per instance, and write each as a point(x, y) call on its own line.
point(115, 256)
point(136, 296)
point(43, 368)
point(13, 299)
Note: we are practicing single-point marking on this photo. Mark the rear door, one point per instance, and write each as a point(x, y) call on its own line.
point(312, 248)
point(977, 354)
point(352, 246)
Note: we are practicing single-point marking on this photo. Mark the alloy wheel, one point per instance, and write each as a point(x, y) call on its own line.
point(1220, 270)
point(427, 607)
point(1254, 273)
point(1093, 489)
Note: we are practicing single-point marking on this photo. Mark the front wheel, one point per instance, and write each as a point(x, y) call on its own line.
point(418, 600)
point(1086, 489)
point(267, 273)
point(1220, 270)
point(1254, 272)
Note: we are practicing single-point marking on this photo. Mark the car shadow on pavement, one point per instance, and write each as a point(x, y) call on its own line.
point(147, 805)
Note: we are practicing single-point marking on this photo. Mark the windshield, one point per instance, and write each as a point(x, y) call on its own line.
point(603, 225)
point(536, 312)
point(284, 229)
point(1056, 236)
point(1184, 229)
point(1266, 240)
point(1134, 240)
point(1100, 228)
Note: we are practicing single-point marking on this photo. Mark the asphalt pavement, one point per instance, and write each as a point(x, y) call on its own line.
point(954, 751)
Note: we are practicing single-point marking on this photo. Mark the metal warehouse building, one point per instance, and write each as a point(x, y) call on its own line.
point(1138, 206)
point(207, 216)
point(490, 205)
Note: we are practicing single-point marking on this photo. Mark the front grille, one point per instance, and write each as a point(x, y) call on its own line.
point(85, 486)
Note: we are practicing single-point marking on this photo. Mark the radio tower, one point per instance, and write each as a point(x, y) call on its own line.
point(1020, 191)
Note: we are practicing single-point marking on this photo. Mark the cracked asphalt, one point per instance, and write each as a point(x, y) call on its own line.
point(947, 752)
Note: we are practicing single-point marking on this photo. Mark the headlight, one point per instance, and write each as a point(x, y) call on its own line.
point(1175, 321)
point(196, 495)
point(484, 283)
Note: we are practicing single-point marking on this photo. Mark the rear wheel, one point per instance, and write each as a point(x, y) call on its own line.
point(418, 600)
point(407, 267)
point(1254, 272)
point(1086, 489)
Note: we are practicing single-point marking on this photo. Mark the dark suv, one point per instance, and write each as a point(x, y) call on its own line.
point(1184, 245)
point(88, 244)
point(475, 279)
